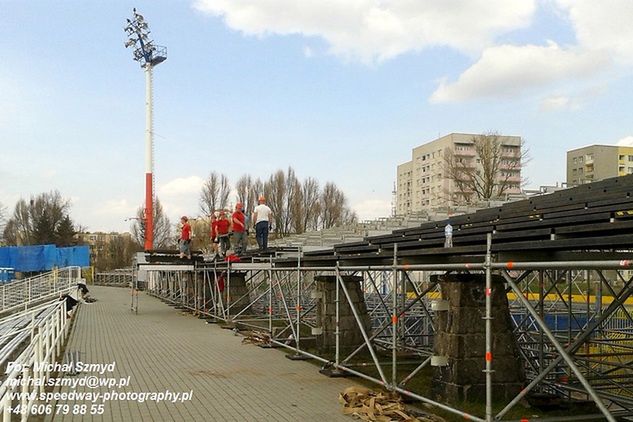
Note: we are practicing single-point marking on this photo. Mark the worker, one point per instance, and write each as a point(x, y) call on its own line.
point(448, 235)
point(185, 238)
point(223, 225)
point(85, 293)
point(262, 218)
point(239, 229)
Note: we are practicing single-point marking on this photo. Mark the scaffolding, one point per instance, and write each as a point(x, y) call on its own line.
point(570, 318)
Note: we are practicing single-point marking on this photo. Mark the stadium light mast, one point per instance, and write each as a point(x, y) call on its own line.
point(148, 55)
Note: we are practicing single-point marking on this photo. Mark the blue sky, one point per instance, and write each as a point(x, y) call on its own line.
point(341, 90)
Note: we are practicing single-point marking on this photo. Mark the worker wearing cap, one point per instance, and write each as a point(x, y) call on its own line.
point(239, 229)
point(262, 218)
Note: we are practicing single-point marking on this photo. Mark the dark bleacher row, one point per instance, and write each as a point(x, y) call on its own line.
point(591, 217)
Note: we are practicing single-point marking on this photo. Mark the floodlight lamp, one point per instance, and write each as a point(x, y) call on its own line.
point(130, 42)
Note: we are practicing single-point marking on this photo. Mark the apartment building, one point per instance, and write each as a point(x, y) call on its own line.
point(597, 162)
point(423, 183)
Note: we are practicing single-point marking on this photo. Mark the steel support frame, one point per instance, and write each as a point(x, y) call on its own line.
point(279, 301)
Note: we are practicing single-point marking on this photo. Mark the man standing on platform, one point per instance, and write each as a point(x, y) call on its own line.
point(185, 238)
point(262, 218)
point(239, 229)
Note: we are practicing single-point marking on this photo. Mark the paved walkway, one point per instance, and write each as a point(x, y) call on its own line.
point(161, 349)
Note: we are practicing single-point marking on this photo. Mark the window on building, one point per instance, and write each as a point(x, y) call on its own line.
point(630, 170)
point(631, 158)
point(575, 160)
point(621, 157)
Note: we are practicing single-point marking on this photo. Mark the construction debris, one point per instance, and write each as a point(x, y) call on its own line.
point(368, 405)
point(256, 337)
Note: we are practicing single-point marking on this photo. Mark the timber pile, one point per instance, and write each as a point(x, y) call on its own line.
point(367, 405)
point(256, 337)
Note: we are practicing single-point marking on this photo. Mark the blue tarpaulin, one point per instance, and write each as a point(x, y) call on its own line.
point(43, 257)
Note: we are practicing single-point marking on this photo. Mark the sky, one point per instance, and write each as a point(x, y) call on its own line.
point(341, 90)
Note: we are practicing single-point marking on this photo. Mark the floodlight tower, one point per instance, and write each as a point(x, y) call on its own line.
point(148, 55)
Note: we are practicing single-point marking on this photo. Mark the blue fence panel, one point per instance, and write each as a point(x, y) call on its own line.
point(43, 257)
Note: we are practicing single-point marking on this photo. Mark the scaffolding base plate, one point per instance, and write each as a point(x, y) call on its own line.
point(334, 373)
point(298, 356)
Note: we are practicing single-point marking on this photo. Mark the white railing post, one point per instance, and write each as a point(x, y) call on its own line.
point(25, 386)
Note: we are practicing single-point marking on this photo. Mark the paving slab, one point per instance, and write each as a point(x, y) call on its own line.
point(164, 350)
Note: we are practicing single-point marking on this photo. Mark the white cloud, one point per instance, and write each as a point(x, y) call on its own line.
point(180, 196)
point(181, 186)
point(508, 70)
point(371, 30)
point(625, 142)
point(557, 102)
point(372, 208)
point(603, 25)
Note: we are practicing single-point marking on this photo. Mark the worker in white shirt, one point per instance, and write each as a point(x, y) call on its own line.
point(262, 218)
point(448, 234)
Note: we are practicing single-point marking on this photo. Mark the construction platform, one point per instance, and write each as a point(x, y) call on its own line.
point(162, 350)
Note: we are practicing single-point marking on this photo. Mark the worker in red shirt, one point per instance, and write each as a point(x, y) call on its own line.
point(185, 238)
point(223, 225)
point(239, 229)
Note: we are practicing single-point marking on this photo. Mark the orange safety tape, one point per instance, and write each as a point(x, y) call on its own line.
point(394, 319)
point(488, 357)
point(510, 265)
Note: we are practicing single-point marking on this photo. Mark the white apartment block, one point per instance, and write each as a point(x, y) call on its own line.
point(423, 182)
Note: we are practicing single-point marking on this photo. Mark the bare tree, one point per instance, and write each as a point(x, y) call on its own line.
point(306, 206)
point(293, 192)
point(488, 170)
point(209, 194)
point(116, 252)
point(215, 193)
point(334, 209)
point(225, 191)
point(276, 193)
point(243, 188)
point(257, 189)
point(3, 221)
point(164, 236)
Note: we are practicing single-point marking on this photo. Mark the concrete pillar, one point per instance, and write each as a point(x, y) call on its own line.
point(238, 292)
point(460, 336)
point(350, 334)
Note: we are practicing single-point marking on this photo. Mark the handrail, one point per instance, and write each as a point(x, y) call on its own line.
point(27, 374)
point(20, 294)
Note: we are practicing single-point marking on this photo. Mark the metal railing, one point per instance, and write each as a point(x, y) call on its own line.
point(122, 277)
point(44, 332)
point(20, 294)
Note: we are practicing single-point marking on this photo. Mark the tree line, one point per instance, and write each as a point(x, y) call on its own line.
point(298, 206)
